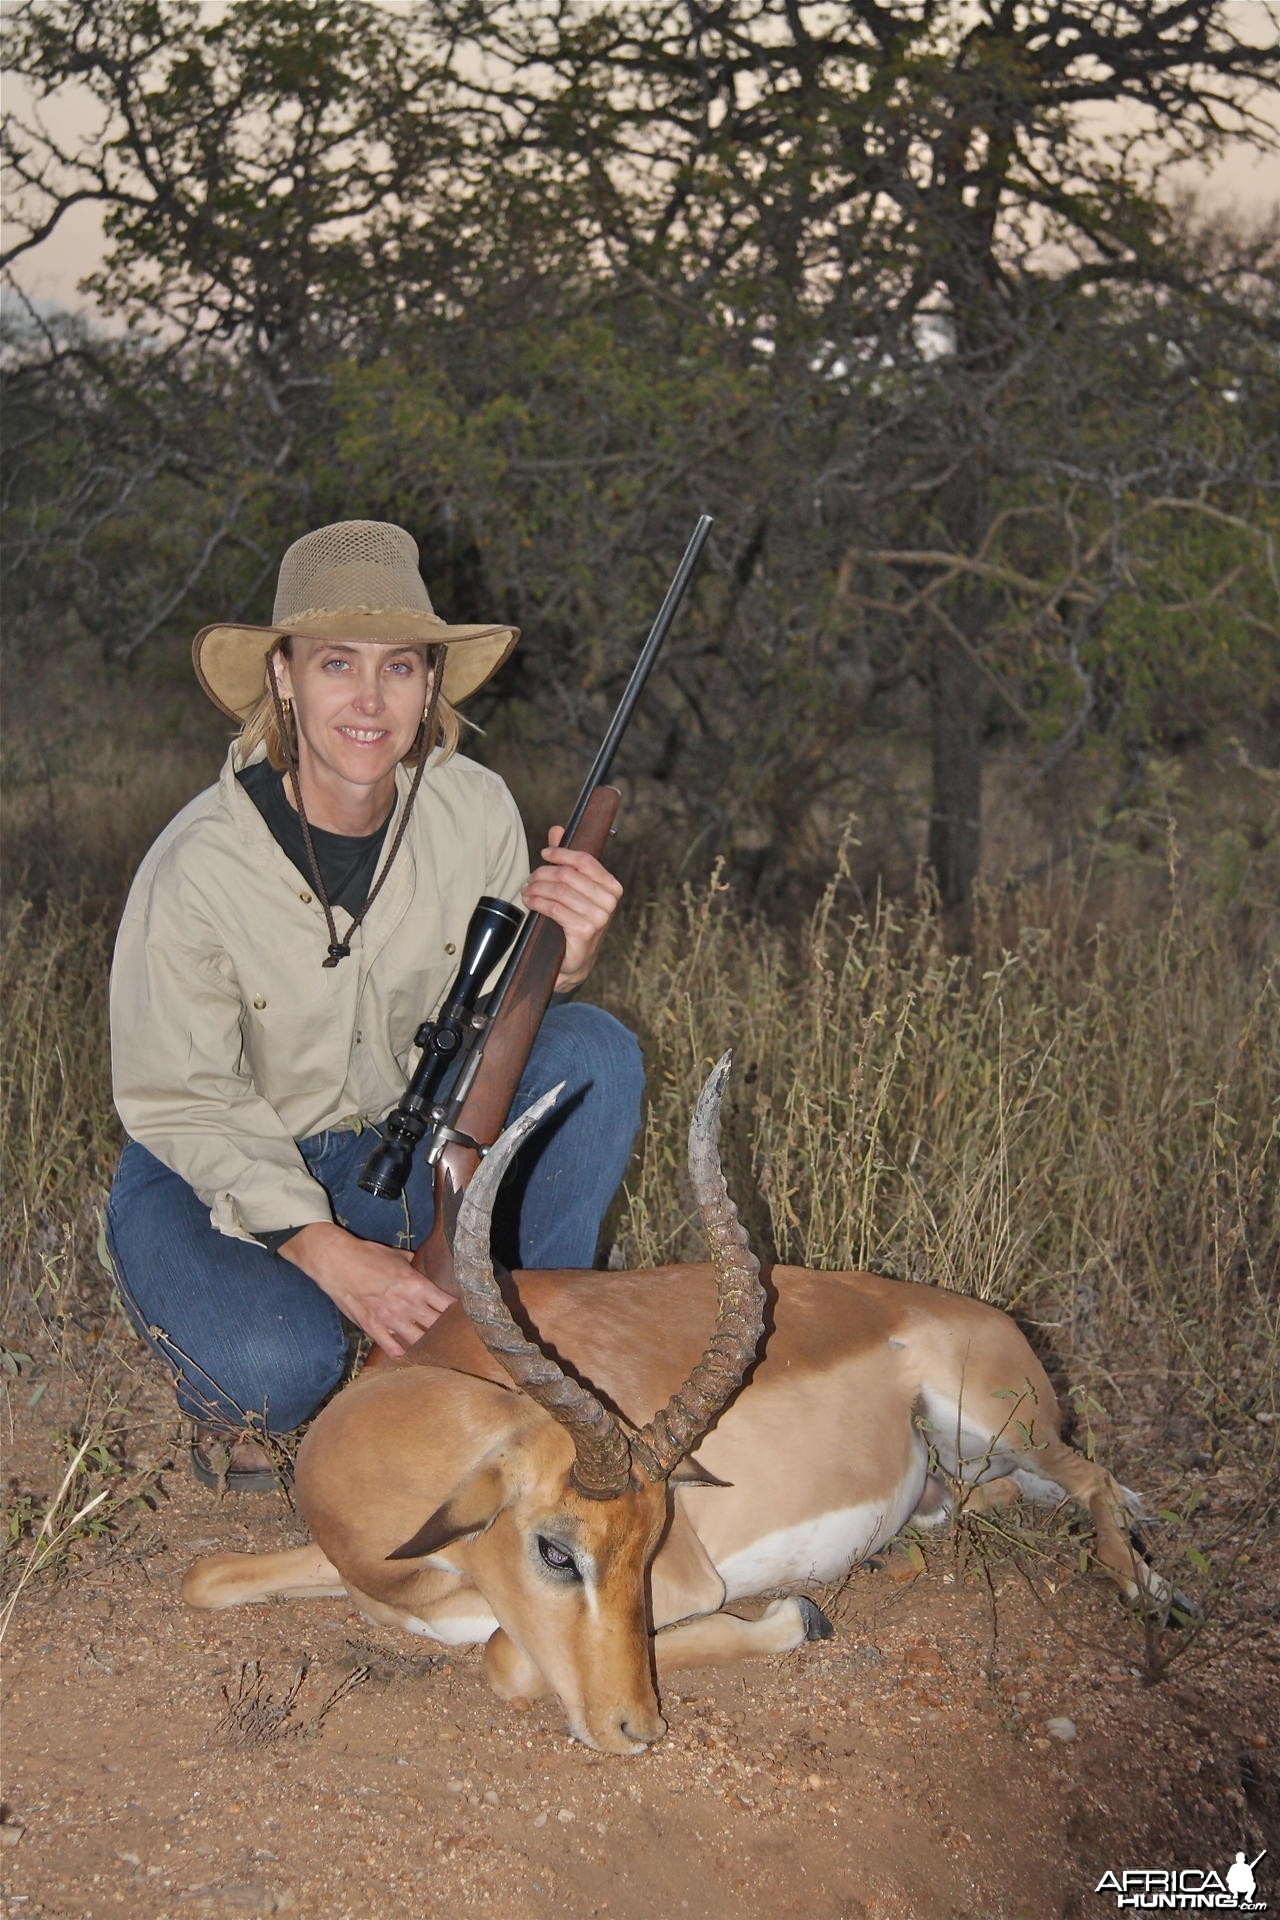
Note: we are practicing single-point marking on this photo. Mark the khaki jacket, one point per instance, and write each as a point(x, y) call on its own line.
point(230, 1041)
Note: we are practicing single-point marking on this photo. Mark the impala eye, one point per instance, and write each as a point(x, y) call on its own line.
point(557, 1559)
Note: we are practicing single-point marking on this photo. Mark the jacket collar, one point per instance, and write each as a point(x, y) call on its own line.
point(387, 911)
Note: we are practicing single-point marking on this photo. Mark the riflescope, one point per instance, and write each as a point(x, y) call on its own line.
point(491, 930)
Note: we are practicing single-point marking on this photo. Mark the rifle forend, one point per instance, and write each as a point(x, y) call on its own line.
point(493, 1073)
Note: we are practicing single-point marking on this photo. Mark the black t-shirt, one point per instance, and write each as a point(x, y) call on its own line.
point(348, 862)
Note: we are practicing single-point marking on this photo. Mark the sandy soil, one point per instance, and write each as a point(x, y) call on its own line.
point(162, 1764)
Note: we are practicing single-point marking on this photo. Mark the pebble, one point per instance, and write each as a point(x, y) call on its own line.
point(1061, 1728)
point(248, 1898)
point(540, 1819)
point(565, 1815)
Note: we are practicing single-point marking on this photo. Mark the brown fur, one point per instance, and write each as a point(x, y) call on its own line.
point(437, 1457)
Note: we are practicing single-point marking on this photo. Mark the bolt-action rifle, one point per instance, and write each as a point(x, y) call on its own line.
point(494, 1044)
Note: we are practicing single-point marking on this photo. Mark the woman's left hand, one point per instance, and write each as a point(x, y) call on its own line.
point(580, 895)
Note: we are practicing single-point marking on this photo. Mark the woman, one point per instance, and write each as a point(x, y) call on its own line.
point(282, 942)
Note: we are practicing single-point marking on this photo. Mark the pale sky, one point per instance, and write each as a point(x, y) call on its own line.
point(1243, 181)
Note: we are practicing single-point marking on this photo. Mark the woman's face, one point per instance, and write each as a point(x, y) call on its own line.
point(357, 708)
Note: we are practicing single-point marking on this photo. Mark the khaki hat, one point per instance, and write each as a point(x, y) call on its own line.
point(355, 580)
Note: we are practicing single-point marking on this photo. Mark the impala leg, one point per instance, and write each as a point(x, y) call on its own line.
point(1020, 1441)
point(1103, 1499)
point(437, 1606)
point(714, 1639)
point(510, 1671)
point(239, 1579)
point(988, 1496)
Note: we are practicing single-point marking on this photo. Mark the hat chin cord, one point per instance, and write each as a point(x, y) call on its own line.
point(340, 949)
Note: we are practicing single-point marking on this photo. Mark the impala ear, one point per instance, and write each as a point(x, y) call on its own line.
point(470, 1508)
point(692, 1473)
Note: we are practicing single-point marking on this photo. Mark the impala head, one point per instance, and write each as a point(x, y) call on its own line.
point(565, 1577)
point(558, 1523)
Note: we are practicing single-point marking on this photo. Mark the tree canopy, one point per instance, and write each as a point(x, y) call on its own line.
point(987, 417)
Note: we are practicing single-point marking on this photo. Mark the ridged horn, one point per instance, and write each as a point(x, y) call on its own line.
point(602, 1468)
point(660, 1446)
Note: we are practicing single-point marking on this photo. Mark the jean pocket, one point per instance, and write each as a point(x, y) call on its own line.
point(338, 1148)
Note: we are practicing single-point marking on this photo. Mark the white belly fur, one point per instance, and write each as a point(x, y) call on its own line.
point(817, 1549)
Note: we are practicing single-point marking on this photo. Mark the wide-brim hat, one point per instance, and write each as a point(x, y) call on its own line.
point(355, 580)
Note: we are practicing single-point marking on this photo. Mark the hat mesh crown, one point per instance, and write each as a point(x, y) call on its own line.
point(354, 563)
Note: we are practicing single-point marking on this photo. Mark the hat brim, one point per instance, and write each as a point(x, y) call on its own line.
point(230, 661)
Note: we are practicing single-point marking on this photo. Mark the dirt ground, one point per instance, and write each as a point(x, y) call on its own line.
point(162, 1764)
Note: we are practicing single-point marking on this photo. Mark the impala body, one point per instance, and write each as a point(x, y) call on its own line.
point(568, 1522)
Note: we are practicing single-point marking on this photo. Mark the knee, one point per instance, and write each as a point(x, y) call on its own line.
point(300, 1400)
point(271, 1376)
point(279, 1369)
point(591, 1050)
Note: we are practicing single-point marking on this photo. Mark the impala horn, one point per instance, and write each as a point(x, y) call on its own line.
point(660, 1446)
point(602, 1469)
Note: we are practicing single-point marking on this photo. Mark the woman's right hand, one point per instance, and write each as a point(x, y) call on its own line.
point(373, 1285)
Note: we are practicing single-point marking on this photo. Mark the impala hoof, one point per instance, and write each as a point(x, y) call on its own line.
point(816, 1624)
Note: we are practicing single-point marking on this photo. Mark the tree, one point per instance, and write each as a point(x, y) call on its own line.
point(855, 183)
point(548, 278)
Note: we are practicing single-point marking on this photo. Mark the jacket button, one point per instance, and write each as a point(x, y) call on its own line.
point(450, 947)
point(305, 898)
point(259, 1003)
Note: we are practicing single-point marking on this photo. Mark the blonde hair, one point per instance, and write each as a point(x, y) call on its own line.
point(261, 726)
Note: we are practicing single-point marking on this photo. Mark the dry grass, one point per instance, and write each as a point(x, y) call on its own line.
point(1062, 1114)
point(1077, 1120)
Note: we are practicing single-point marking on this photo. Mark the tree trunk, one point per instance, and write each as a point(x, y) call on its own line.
point(955, 814)
point(957, 702)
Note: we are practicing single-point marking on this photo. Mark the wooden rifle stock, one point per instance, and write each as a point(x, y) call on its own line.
point(508, 1041)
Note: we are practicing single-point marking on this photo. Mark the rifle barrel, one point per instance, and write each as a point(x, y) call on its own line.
point(617, 727)
point(640, 672)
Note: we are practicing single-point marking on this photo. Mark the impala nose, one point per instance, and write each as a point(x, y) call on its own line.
point(647, 1731)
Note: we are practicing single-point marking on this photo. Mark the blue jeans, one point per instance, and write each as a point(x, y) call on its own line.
point(249, 1337)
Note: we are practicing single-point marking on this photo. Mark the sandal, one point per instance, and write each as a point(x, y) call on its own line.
point(235, 1462)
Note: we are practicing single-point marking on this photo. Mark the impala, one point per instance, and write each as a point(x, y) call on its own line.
point(526, 1476)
